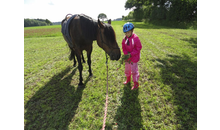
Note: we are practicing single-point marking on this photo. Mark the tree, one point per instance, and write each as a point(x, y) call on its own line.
point(172, 10)
point(102, 16)
point(36, 22)
point(48, 22)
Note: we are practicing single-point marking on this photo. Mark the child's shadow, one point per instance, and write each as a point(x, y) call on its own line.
point(128, 116)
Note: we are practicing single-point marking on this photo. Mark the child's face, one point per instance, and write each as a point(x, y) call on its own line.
point(129, 33)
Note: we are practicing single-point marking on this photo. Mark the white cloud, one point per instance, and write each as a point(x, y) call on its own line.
point(51, 3)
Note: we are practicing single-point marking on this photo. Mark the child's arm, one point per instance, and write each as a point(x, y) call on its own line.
point(124, 48)
point(137, 47)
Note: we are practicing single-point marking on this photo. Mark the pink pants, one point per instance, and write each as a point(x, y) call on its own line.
point(132, 69)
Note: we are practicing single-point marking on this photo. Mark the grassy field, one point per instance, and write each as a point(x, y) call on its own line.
point(166, 98)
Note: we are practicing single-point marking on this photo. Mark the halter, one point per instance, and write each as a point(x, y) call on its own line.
point(106, 45)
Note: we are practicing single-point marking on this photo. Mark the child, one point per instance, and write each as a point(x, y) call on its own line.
point(131, 45)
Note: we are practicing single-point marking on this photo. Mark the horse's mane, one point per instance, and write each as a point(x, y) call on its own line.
point(109, 33)
point(89, 27)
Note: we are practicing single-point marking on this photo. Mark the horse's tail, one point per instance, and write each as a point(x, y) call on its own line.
point(72, 54)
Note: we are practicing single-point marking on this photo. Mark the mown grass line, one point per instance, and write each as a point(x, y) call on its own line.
point(166, 99)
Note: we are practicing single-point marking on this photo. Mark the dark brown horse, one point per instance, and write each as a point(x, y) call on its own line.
point(83, 30)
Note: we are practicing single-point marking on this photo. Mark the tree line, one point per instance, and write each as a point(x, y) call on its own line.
point(170, 10)
point(36, 22)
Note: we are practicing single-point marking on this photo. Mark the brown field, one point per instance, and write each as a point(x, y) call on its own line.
point(43, 32)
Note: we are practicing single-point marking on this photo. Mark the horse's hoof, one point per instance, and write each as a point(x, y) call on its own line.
point(81, 86)
point(91, 75)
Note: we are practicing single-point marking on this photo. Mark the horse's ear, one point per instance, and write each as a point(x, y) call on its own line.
point(109, 21)
point(100, 24)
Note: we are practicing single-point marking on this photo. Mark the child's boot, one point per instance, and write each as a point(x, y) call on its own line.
point(128, 80)
point(135, 86)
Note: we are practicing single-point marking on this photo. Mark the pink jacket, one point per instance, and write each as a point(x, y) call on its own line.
point(133, 48)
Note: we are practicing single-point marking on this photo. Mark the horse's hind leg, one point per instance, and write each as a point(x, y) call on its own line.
point(74, 62)
point(83, 58)
point(72, 56)
point(89, 51)
point(80, 68)
point(74, 59)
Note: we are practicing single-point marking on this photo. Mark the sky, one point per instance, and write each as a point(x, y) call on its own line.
point(56, 10)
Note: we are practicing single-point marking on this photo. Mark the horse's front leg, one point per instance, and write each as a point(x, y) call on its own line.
point(89, 61)
point(80, 68)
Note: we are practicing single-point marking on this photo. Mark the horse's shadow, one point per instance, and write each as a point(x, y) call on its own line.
point(54, 105)
point(128, 115)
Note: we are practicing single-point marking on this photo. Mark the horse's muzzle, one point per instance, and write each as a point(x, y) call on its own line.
point(115, 55)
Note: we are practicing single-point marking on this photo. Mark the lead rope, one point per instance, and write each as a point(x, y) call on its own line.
point(106, 99)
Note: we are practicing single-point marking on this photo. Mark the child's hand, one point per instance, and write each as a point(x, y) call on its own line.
point(123, 59)
point(126, 57)
point(129, 55)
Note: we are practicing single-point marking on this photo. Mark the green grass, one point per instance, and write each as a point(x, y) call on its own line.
point(166, 98)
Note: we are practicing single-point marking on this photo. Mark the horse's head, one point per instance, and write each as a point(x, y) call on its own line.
point(106, 39)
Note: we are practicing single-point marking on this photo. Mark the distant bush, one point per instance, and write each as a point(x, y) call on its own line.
point(36, 22)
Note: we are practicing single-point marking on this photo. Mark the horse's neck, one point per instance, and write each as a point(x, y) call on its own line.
point(96, 31)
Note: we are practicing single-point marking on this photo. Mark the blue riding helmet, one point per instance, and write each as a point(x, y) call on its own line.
point(127, 27)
